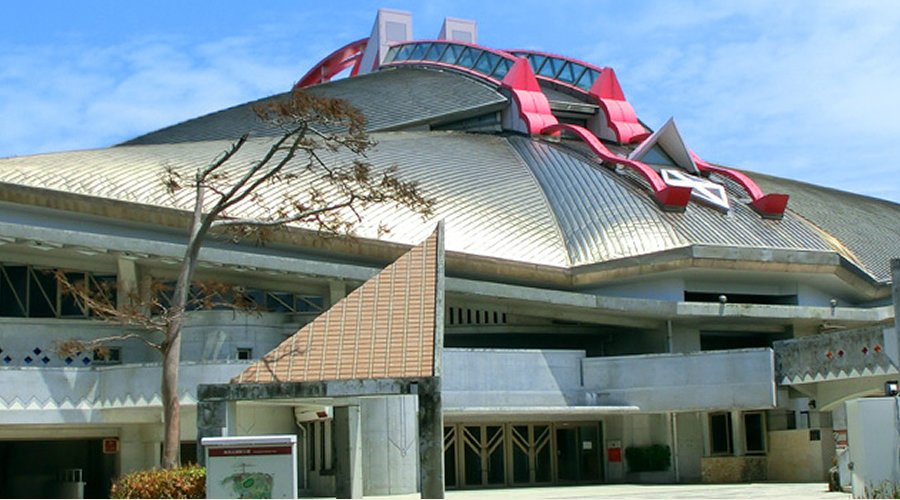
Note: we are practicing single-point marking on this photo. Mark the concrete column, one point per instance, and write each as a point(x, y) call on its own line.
point(390, 431)
point(214, 419)
point(431, 439)
point(140, 447)
point(348, 481)
point(737, 433)
point(337, 290)
point(682, 338)
point(127, 283)
point(895, 290)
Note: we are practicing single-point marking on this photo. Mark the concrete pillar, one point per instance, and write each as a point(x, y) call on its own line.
point(895, 290)
point(348, 453)
point(682, 338)
point(737, 433)
point(431, 438)
point(337, 290)
point(127, 284)
point(390, 431)
point(214, 419)
point(140, 447)
point(689, 438)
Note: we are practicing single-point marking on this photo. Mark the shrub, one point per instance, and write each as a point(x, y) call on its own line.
point(188, 481)
point(655, 457)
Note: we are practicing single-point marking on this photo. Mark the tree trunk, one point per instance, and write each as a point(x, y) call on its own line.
point(171, 405)
point(172, 350)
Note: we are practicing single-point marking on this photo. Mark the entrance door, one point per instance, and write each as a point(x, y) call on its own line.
point(482, 455)
point(578, 458)
point(531, 458)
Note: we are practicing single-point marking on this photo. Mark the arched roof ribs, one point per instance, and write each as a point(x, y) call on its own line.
point(669, 198)
point(339, 60)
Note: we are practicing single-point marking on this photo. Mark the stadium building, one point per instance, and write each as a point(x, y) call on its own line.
point(599, 295)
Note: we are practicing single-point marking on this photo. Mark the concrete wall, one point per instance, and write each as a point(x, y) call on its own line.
point(487, 378)
point(216, 335)
point(659, 289)
point(207, 336)
point(689, 445)
point(743, 469)
point(99, 394)
point(793, 457)
point(738, 379)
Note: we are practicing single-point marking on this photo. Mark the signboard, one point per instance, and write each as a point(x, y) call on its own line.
point(110, 446)
point(614, 451)
point(251, 466)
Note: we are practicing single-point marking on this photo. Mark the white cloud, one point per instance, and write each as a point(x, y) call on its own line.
point(800, 89)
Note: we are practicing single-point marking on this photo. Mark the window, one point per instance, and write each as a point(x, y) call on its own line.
point(108, 355)
point(436, 51)
point(419, 51)
point(755, 433)
point(244, 353)
point(720, 434)
point(502, 69)
point(587, 79)
point(30, 292)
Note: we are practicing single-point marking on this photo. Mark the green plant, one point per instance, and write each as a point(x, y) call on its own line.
point(655, 457)
point(188, 481)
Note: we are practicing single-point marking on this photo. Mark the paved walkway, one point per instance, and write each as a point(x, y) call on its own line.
point(802, 491)
point(806, 491)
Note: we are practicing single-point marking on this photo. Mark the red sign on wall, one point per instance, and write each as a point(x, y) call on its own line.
point(614, 454)
point(111, 446)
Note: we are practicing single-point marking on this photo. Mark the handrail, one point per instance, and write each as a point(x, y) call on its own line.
point(669, 198)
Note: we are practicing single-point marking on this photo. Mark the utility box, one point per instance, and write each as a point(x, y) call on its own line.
point(873, 438)
point(251, 466)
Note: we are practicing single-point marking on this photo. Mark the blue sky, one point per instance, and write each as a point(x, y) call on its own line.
point(808, 90)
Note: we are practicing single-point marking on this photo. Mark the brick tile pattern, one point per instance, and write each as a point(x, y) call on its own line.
point(383, 329)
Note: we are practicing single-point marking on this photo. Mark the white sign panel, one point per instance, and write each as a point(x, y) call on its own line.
point(251, 467)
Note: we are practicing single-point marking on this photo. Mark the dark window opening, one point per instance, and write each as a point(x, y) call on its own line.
point(740, 298)
point(755, 433)
point(720, 434)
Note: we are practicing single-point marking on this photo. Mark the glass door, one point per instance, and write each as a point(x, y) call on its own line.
point(531, 458)
point(578, 458)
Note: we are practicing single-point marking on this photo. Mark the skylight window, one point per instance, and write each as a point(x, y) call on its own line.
point(502, 69)
point(467, 59)
point(404, 51)
point(452, 54)
point(437, 50)
point(418, 53)
point(486, 63)
point(587, 79)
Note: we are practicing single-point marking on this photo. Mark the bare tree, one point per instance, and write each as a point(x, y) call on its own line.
point(314, 192)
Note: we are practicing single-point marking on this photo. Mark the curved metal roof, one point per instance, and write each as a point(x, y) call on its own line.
point(390, 100)
point(511, 198)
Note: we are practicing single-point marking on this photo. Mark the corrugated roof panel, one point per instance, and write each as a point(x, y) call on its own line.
point(605, 215)
point(491, 205)
point(601, 218)
point(866, 227)
point(388, 99)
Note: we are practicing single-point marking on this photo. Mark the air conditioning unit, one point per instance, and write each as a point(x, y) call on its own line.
point(305, 414)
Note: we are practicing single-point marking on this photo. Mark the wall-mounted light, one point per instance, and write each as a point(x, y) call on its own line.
point(891, 388)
